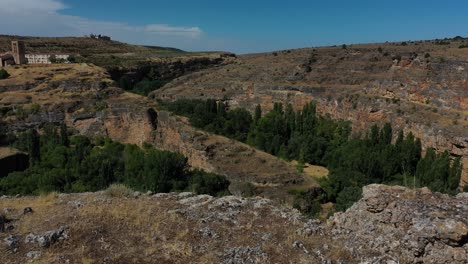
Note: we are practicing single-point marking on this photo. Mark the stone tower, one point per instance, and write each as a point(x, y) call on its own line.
point(17, 48)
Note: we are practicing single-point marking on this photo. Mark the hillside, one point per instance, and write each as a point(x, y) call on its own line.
point(109, 54)
point(388, 225)
point(86, 99)
point(78, 45)
point(420, 87)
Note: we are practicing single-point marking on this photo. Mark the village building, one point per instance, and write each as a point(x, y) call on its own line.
point(46, 58)
point(6, 59)
point(17, 56)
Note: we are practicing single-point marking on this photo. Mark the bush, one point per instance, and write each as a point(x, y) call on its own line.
point(347, 197)
point(247, 189)
point(118, 190)
point(4, 74)
point(208, 183)
point(35, 108)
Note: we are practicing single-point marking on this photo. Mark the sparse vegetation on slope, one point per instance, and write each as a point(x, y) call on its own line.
point(79, 45)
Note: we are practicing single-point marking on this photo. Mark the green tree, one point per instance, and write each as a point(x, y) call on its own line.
point(455, 175)
point(34, 147)
point(258, 114)
point(64, 140)
point(347, 197)
point(126, 82)
point(4, 74)
point(386, 134)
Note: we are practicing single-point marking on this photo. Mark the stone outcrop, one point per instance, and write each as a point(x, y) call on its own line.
point(405, 226)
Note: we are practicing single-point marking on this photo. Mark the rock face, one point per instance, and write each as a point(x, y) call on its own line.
point(406, 226)
point(388, 225)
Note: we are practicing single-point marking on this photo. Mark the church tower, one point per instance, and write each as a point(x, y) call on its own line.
point(17, 48)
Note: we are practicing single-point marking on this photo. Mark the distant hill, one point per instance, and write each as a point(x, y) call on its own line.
point(79, 45)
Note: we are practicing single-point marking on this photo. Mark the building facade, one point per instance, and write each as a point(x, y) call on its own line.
point(18, 56)
point(46, 58)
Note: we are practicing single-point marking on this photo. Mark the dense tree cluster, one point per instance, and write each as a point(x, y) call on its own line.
point(310, 138)
point(143, 87)
point(213, 116)
point(77, 164)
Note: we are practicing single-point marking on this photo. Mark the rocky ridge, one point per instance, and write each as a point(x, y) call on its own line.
point(388, 225)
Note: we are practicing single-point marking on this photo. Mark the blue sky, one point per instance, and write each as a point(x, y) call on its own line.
point(242, 26)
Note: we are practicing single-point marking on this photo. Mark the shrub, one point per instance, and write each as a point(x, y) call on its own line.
point(347, 197)
point(118, 190)
point(208, 183)
point(247, 189)
point(442, 42)
point(35, 108)
point(4, 74)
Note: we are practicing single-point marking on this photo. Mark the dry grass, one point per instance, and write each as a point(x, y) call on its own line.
point(118, 190)
point(312, 173)
point(144, 230)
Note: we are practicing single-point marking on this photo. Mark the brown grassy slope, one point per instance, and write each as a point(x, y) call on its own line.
point(77, 45)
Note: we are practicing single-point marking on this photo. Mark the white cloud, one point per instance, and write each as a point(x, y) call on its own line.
point(43, 18)
point(15, 6)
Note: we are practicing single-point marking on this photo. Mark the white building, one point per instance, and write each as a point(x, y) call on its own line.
point(45, 58)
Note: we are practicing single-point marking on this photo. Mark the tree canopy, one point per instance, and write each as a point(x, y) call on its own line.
point(77, 164)
point(305, 136)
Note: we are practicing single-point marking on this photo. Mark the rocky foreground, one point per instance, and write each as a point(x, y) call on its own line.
point(388, 225)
